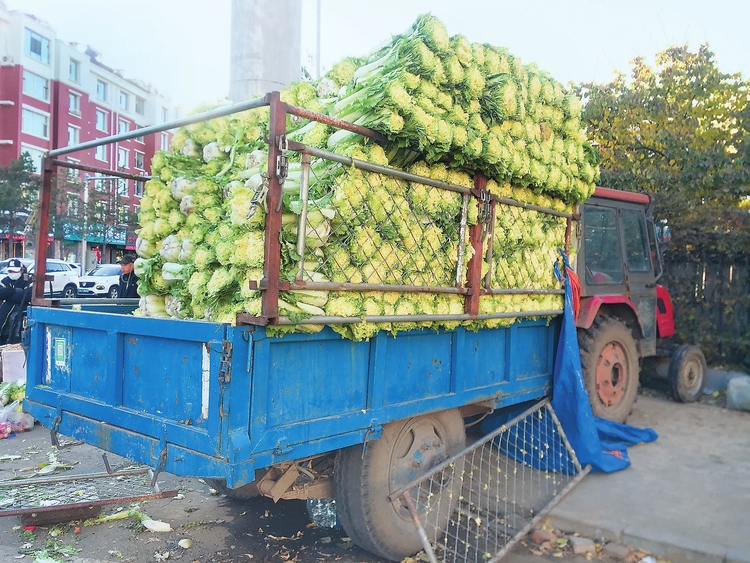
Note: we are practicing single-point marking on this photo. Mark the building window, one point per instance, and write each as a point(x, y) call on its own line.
point(164, 115)
point(74, 104)
point(72, 205)
point(34, 123)
point(138, 189)
point(36, 46)
point(140, 139)
point(123, 126)
point(122, 187)
point(164, 142)
point(136, 209)
point(101, 153)
point(101, 121)
point(36, 156)
point(101, 90)
point(35, 86)
point(138, 159)
point(74, 135)
point(123, 100)
point(122, 158)
point(122, 210)
point(72, 174)
point(140, 106)
point(74, 72)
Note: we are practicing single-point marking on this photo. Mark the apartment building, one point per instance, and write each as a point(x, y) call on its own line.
point(55, 94)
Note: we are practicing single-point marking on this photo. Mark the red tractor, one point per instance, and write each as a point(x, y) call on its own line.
point(625, 316)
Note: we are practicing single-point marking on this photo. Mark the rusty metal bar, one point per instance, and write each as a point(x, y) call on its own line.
point(98, 170)
point(63, 478)
point(272, 247)
point(339, 123)
point(416, 318)
point(364, 165)
point(341, 286)
point(568, 228)
point(42, 232)
point(409, 502)
point(302, 223)
point(462, 239)
point(205, 116)
point(547, 210)
point(523, 292)
point(490, 250)
point(104, 502)
point(474, 273)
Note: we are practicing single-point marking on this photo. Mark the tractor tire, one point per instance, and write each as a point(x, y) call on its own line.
point(687, 373)
point(245, 492)
point(609, 359)
point(406, 450)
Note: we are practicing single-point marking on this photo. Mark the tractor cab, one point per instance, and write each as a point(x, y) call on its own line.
point(624, 313)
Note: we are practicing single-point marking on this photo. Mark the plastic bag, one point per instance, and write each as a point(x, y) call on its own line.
point(13, 414)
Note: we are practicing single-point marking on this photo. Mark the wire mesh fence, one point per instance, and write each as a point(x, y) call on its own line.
point(477, 505)
point(56, 493)
point(369, 228)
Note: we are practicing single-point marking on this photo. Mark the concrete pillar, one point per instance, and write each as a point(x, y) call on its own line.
point(265, 49)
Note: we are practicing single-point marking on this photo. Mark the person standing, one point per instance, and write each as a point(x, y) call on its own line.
point(128, 279)
point(15, 296)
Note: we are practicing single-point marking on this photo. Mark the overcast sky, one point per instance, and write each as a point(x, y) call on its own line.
point(182, 46)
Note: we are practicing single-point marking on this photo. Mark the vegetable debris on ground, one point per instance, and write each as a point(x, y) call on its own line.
point(448, 108)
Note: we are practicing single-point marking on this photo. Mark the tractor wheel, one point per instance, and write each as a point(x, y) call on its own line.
point(245, 492)
point(362, 483)
point(687, 373)
point(610, 367)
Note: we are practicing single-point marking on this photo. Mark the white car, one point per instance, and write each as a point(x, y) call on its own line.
point(102, 281)
point(64, 274)
point(64, 281)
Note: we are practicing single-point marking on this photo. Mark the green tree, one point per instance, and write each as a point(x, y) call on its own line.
point(678, 131)
point(19, 186)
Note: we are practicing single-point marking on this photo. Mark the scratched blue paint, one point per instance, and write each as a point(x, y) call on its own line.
point(134, 386)
point(417, 366)
point(321, 379)
point(162, 376)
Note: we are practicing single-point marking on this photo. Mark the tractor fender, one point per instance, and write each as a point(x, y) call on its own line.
point(664, 313)
point(617, 305)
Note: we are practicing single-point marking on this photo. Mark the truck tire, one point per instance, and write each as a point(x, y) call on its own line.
point(609, 359)
point(245, 492)
point(687, 373)
point(362, 483)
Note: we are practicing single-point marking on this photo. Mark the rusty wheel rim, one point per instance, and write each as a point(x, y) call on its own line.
point(611, 374)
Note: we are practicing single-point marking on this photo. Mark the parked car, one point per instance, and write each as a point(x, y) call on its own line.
point(102, 281)
point(64, 274)
point(64, 279)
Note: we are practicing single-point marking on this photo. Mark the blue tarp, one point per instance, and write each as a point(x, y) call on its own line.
point(601, 443)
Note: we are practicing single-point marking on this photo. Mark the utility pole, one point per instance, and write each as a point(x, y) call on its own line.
point(265, 47)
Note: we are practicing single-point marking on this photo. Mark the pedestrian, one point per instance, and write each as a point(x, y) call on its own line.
point(15, 296)
point(128, 279)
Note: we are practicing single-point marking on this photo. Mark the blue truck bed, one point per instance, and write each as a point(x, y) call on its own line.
point(211, 400)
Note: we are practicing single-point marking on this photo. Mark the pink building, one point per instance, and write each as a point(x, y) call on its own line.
point(55, 94)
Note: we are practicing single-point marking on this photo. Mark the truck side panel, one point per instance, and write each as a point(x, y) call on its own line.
point(209, 400)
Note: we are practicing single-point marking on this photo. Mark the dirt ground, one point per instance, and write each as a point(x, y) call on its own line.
point(220, 529)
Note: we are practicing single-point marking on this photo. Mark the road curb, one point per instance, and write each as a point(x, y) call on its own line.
point(678, 549)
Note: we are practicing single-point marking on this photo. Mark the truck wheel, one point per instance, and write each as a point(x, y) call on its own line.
point(687, 373)
point(407, 449)
point(245, 492)
point(610, 367)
